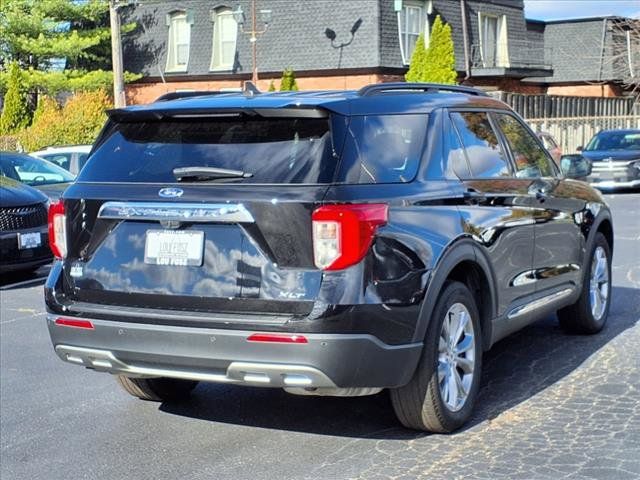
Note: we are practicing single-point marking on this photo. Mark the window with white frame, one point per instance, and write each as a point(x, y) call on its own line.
point(179, 41)
point(225, 33)
point(494, 48)
point(412, 21)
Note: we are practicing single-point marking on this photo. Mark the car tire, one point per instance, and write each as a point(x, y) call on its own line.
point(427, 402)
point(589, 314)
point(157, 389)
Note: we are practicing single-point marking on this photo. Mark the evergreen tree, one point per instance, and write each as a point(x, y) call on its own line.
point(417, 66)
point(436, 64)
point(288, 82)
point(15, 113)
point(272, 86)
point(59, 44)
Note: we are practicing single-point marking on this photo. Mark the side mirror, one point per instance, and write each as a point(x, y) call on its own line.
point(580, 148)
point(575, 166)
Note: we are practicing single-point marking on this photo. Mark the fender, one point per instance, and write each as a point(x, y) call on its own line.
point(463, 249)
point(600, 214)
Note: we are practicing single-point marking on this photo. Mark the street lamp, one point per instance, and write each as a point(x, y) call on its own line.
point(265, 19)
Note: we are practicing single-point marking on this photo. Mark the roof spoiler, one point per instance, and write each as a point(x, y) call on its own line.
point(403, 87)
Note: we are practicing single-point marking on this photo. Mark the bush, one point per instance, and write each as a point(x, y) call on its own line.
point(78, 122)
point(288, 82)
point(9, 143)
point(15, 112)
point(418, 62)
point(435, 64)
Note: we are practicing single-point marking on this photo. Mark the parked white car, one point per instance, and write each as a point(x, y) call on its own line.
point(69, 157)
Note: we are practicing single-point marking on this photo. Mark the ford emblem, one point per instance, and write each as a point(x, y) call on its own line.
point(170, 192)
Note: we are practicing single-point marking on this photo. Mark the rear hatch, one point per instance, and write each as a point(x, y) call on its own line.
point(201, 213)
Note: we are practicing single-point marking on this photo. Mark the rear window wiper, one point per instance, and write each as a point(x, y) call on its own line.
point(203, 174)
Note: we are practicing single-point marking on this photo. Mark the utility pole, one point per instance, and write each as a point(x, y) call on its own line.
point(265, 17)
point(119, 99)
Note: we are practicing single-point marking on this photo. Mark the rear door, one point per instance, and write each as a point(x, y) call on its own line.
point(497, 213)
point(140, 238)
point(559, 243)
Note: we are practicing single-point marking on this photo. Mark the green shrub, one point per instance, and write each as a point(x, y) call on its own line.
point(436, 64)
point(288, 82)
point(272, 86)
point(418, 62)
point(78, 122)
point(15, 112)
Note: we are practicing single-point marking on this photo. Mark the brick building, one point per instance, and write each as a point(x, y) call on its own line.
point(198, 45)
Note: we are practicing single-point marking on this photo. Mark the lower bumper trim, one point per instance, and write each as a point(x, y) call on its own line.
point(245, 373)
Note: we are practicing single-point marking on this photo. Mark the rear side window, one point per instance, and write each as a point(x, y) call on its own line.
point(530, 158)
point(486, 158)
point(271, 149)
point(383, 148)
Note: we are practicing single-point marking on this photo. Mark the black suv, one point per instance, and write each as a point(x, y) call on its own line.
point(327, 243)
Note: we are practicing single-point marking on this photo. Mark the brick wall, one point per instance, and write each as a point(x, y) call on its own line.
point(138, 93)
point(605, 90)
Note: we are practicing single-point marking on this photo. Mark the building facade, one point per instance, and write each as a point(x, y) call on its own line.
point(330, 44)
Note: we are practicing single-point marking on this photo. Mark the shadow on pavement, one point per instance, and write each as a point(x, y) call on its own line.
point(515, 369)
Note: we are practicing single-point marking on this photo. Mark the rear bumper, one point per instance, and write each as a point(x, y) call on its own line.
point(217, 355)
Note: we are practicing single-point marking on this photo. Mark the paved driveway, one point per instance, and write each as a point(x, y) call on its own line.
point(552, 406)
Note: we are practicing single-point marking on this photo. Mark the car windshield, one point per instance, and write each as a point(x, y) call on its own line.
point(615, 141)
point(32, 170)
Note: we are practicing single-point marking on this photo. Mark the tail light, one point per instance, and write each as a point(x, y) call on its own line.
point(58, 229)
point(342, 234)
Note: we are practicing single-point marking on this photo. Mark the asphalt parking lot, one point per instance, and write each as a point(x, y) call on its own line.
point(552, 406)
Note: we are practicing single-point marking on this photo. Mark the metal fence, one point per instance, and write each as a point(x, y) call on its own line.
point(571, 133)
point(560, 106)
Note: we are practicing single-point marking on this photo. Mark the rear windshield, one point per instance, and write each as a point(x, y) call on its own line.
point(272, 150)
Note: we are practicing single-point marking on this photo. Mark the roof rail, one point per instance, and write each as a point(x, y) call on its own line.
point(378, 88)
point(191, 93)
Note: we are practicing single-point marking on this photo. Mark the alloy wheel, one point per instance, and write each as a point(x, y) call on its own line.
point(456, 357)
point(599, 284)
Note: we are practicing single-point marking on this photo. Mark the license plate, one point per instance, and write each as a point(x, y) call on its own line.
point(29, 240)
point(174, 247)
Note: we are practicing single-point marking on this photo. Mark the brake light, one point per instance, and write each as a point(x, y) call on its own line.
point(58, 229)
point(276, 338)
point(74, 322)
point(342, 234)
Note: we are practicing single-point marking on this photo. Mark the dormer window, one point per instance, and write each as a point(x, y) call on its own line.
point(494, 47)
point(225, 33)
point(179, 41)
point(412, 21)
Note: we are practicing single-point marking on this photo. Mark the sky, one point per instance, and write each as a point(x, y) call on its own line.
point(558, 9)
